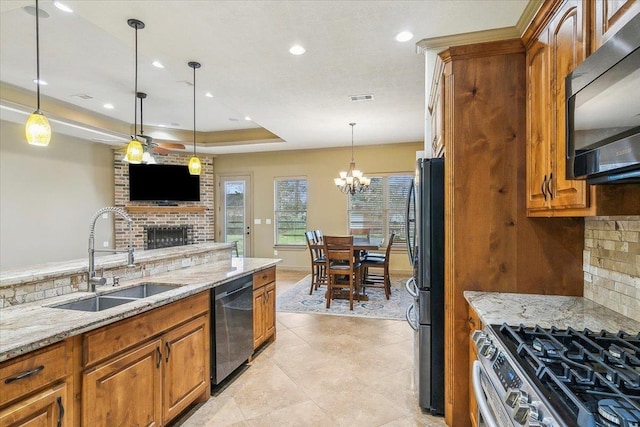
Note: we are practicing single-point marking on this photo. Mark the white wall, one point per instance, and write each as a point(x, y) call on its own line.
point(48, 196)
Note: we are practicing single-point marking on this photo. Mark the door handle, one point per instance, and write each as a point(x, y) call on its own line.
point(549, 186)
point(60, 411)
point(158, 357)
point(167, 346)
point(542, 188)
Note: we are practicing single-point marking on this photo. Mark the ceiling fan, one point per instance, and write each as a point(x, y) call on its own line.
point(147, 141)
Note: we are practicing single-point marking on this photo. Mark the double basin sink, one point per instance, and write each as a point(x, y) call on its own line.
point(116, 298)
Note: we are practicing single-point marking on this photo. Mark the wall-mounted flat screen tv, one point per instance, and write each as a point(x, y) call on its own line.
point(160, 183)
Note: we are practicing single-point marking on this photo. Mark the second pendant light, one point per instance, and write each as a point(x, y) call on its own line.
point(195, 167)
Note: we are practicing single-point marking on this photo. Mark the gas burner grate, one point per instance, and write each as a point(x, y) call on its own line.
point(579, 370)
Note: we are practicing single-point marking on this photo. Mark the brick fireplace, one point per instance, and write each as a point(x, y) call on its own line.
point(196, 217)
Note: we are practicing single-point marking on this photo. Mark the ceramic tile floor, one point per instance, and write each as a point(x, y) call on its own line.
point(321, 371)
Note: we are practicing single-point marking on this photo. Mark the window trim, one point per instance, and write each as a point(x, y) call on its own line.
point(277, 179)
point(398, 245)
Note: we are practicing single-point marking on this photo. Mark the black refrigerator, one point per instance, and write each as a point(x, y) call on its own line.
point(425, 246)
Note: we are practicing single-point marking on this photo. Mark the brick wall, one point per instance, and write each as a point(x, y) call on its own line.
point(612, 263)
point(202, 222)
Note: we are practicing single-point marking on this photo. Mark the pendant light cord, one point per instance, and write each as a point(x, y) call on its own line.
point(135, 90)
point(352, 125)
point(194, 111)
point(38, 55)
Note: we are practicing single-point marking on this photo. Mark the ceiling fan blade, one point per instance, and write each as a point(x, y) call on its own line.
point(172, 145)
point(159, 150)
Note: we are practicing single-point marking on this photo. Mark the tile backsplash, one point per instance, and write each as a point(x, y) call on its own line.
point(611, 263)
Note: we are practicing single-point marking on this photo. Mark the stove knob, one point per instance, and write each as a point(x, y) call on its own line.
point(516, 397)
point(521, 414)
point(491, 352)
point(534, 415)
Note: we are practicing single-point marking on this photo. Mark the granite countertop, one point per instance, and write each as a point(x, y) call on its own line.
point(34, 273)
point(27, 327)
point(548, 310)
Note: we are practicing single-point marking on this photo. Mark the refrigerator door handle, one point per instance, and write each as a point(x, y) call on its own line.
point(411, 319)
point(411, 287)
point(409, 220)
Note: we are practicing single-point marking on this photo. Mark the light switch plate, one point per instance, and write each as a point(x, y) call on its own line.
point(267, 221)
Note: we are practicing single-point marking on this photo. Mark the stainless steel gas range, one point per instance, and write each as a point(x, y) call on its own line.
point(549, 377)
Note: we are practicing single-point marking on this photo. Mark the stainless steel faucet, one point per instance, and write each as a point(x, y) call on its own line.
point(93, 279)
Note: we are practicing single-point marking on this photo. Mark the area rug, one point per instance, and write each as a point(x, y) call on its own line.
point(298, 300)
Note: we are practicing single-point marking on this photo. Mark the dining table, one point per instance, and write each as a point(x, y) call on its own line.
point(360, 244)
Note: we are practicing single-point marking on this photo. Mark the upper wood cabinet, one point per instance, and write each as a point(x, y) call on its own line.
point(609, 16)
point(554, 50)
point(557, 41)
point(436, 111)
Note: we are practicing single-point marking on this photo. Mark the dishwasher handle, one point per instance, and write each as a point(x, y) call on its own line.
point(230, 292)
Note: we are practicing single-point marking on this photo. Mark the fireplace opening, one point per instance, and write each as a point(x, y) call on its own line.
point(165, 236)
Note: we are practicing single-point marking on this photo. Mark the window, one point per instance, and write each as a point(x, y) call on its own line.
point(290, 211)
point(382, 208)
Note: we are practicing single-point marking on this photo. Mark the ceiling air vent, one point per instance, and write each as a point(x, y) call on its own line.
point(366, 97)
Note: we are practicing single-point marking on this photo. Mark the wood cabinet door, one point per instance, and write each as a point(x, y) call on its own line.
point(186, 365)
point(126, 390)
point(270, 310)
point(258, 317)
point(568, 49)
point(45, 409)
point(609, 16)
point(538, 123)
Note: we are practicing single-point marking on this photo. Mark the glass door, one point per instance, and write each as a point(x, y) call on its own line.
point(234, 210)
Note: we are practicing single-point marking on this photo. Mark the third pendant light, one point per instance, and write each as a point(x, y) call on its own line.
point(195, 167)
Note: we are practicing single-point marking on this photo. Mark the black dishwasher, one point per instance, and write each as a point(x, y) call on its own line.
point(231, 326)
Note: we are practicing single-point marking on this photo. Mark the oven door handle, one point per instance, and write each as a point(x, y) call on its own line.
point(481, 399)
point(411, 287)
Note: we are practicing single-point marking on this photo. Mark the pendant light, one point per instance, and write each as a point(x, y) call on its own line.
point(37, 129)
point(352, 181)
point(134, 149)
point(195, 167)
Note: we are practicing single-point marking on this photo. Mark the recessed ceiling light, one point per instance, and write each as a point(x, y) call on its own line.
point(42, 82)
point(157, 64)
point(208, 95)
point(108, 106)
point(404, 36)
point(63, 7)
point(247, 118)
point(297, 50)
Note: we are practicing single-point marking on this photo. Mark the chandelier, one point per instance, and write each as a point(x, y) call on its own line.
point(352, 181)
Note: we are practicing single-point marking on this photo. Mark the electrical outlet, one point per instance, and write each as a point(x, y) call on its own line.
point(275, 252)
point(105, 244)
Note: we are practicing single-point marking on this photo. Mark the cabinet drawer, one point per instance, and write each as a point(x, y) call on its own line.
point(120, 336)
point(31, 372)
point(263, 277)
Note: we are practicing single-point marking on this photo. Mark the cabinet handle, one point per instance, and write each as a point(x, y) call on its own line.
point(60, 411)
point(549, 186)
point(24, 375)
point(542, 188)
point(264, 277)
point(168, 347)
point(158, 357)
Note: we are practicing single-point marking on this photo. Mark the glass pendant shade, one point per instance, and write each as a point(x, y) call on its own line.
point(194, 166)
point(134, 152)
point(38, 130)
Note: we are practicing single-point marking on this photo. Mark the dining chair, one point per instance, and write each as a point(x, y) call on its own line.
point(318, 276)
point(380, 279)
point(343, 270)
point(319, 235)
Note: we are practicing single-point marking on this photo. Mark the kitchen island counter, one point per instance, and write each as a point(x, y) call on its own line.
point(547, 311)
point(30, 326)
